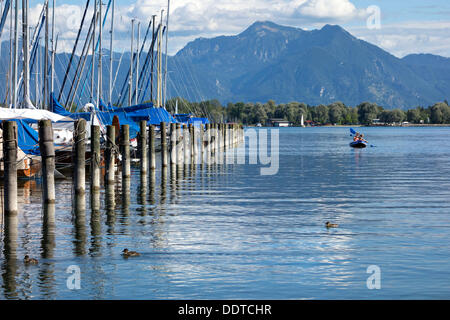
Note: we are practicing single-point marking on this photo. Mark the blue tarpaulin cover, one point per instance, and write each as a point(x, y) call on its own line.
point(127, 115)
point(27, 138)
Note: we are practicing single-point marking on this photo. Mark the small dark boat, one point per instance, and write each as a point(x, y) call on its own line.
point(358, 144)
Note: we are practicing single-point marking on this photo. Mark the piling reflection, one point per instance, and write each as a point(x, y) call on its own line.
point(96, 228)
point(47, 278)
point(9, 266)
point(126, 199)
point(152, 188)
point(110, 208)
point(163, 190)
point(142, 195)
point(79, 220)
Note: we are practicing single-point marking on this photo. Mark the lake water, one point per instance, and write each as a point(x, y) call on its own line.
point(227, 232)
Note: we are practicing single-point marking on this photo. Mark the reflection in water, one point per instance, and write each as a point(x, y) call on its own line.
point(125, 198)
point(142, 195)
point(252, 236)
point(163, 190)
point(9, 266)
point(96, 227)
point(110, 208)
point(152, 195)
point(47, 278)
point(79, 217)
point(173, 183)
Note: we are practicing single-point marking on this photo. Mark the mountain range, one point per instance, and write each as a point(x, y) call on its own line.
point(269, 61)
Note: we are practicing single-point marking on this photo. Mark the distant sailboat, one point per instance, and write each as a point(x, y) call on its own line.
point(302, 122)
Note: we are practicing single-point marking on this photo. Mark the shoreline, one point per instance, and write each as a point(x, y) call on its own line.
point(359, 126)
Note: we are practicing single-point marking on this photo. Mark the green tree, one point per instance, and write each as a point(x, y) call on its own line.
point(367, 112)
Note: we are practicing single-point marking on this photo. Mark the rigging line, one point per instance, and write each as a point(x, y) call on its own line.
point(74, 50)
point(144, 71)
point(117, 72)
point(83, 56)
point(124, 90)
point(96, 47)
point(152, 48)
point(140, 52)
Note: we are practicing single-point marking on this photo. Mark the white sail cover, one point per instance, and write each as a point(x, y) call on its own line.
point(32, 114)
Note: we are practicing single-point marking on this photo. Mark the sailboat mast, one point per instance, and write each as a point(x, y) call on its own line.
point(16, 52)
point(44, 100)
point(167, 40)
point(152, 67)
point(138, 57)
point(11, 56)
point(111, 53)
point(130, 80)
point(99, 75)
point(26, 50)
point(52, 82)
point(93, 54)
point(159, 65)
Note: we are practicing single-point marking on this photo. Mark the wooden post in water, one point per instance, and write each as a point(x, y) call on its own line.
point(173, 144)
point(10, 167)
point(95, 158)
point(125, 151)
point(110, 154)
point(213, 137)
point(151, 148)
point(143, 146)
point(225, 136)
point(163, 145)
point(79, 159)
point(48, 160)
point(193, 148)
point(186, 147)
point(179, 145)
point(206, 143)
point(200, 145)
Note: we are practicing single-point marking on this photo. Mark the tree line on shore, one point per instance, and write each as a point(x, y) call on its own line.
point(335, 113)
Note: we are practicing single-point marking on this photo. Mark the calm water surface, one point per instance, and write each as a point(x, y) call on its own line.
point(225, 231)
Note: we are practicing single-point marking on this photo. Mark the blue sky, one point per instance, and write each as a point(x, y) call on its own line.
point(406, 26)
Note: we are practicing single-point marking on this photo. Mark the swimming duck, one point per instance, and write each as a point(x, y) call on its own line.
point(331, 225)
point(127, 253)
point(29, 260)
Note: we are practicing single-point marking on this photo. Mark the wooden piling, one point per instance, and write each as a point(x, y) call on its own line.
point(110, 154)
point(151, 148)
point(143, 146)
point(179, 145)
point(186, 147)
point(163, 145)
point(207, 143)
point(173, 144)
point(193, 145)
point(79, 158)
point(10, 167)
point(95, 158)
point(47, 161)
point(200, 145)
point(125, 151)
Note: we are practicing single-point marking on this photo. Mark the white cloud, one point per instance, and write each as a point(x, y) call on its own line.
point(337, 9)
point(190, 19)
point(409, 37)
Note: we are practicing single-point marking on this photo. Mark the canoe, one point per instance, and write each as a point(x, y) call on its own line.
point(358, 144)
